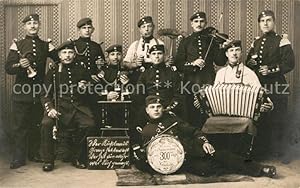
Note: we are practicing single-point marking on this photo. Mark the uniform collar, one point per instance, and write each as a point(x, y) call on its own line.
point(158, 66)
point(156, 121)
point(271, 33)
point(32, 37)
point(85, 39)
point(147, 39)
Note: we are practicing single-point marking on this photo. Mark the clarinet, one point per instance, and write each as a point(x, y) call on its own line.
point(55, 127)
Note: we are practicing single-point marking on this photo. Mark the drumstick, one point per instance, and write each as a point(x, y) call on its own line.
point(162, 132)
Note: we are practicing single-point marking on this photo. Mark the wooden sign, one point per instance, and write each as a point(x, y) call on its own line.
point(108, 152)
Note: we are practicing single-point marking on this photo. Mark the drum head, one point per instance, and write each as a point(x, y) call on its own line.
point(165, 154)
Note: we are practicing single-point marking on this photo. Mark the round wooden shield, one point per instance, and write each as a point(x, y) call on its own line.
point(165, 154)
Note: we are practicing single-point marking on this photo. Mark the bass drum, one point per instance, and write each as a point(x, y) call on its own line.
point(165, 154)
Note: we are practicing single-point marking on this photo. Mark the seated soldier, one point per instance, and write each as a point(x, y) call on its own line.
point(111, 76)
point(67, 106)
point(113, 79)
point(201, 157)
point(236, 73)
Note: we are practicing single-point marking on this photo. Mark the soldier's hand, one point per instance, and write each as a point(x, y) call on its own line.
point(112, 95)
point(208, 148)
point(82, 84)
point(100, 62)
point(24, 62)
point(54, 114)
point(199, 63)
point(226, 43)
point(101, 74)
point(95, 78)
point(170, 60)
point(252, 62)
point(139, 61)
point(124, 79)
point(263, 70)
point(267, 106)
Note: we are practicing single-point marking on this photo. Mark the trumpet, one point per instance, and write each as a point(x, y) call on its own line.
point(30, 71)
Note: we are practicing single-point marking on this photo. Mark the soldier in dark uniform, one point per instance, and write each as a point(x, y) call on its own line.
point(114, 80)
point(195, 58)
point(201, 158)
point(27, 60)
point(161, 80)
point(89, 52)
point(271, 57)
point(71, 111)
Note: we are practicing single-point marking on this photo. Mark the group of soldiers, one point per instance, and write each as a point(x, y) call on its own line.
point(170, 84)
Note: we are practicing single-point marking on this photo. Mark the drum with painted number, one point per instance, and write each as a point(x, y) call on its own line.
point(165, 154)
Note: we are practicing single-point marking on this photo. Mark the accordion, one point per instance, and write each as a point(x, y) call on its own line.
point(232, 100)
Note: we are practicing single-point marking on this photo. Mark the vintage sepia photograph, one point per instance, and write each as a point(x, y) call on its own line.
point(150, 93)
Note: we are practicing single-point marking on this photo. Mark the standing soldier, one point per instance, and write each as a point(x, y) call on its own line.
point(65, 101)
point(27, 60)
point(195, 58)
point(271, 56)
point(88, 52)
point(138, 52)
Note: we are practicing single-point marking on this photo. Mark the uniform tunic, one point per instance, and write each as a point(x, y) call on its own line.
point(88, 52)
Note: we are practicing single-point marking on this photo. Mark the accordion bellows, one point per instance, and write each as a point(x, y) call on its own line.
point(232, 100)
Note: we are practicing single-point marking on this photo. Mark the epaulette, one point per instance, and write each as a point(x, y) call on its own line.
point(284, 40)
point(50, 45)
point(14, 46)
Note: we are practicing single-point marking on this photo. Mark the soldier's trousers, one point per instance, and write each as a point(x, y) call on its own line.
point(272, 130)
point(80, 127)
point(26, 129)
point(222, 162)
point(194, 116)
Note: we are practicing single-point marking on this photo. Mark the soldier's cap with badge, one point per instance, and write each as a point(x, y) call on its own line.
point(232, 44)
point(198, 15)
point(158, 47)
point(84, 21)
point(144, 20)
point(66, 45)
point(153, 99)
point(266, 13)
point(114, 48)
point(31, 17)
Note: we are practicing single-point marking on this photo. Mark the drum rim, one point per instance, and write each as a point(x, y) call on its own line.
point(178, 144)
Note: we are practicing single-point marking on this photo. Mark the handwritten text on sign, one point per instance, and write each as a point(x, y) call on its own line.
point(108, 152)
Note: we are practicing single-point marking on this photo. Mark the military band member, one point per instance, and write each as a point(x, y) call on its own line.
point(138, 52)
point(271, 56)
point(161, 80)
point(89, 52)
point(201, 157)
point(111, 76)
point(195, 59)
point(114, 80)
point(237, 73)
point(71, 111)
point(27, 60)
